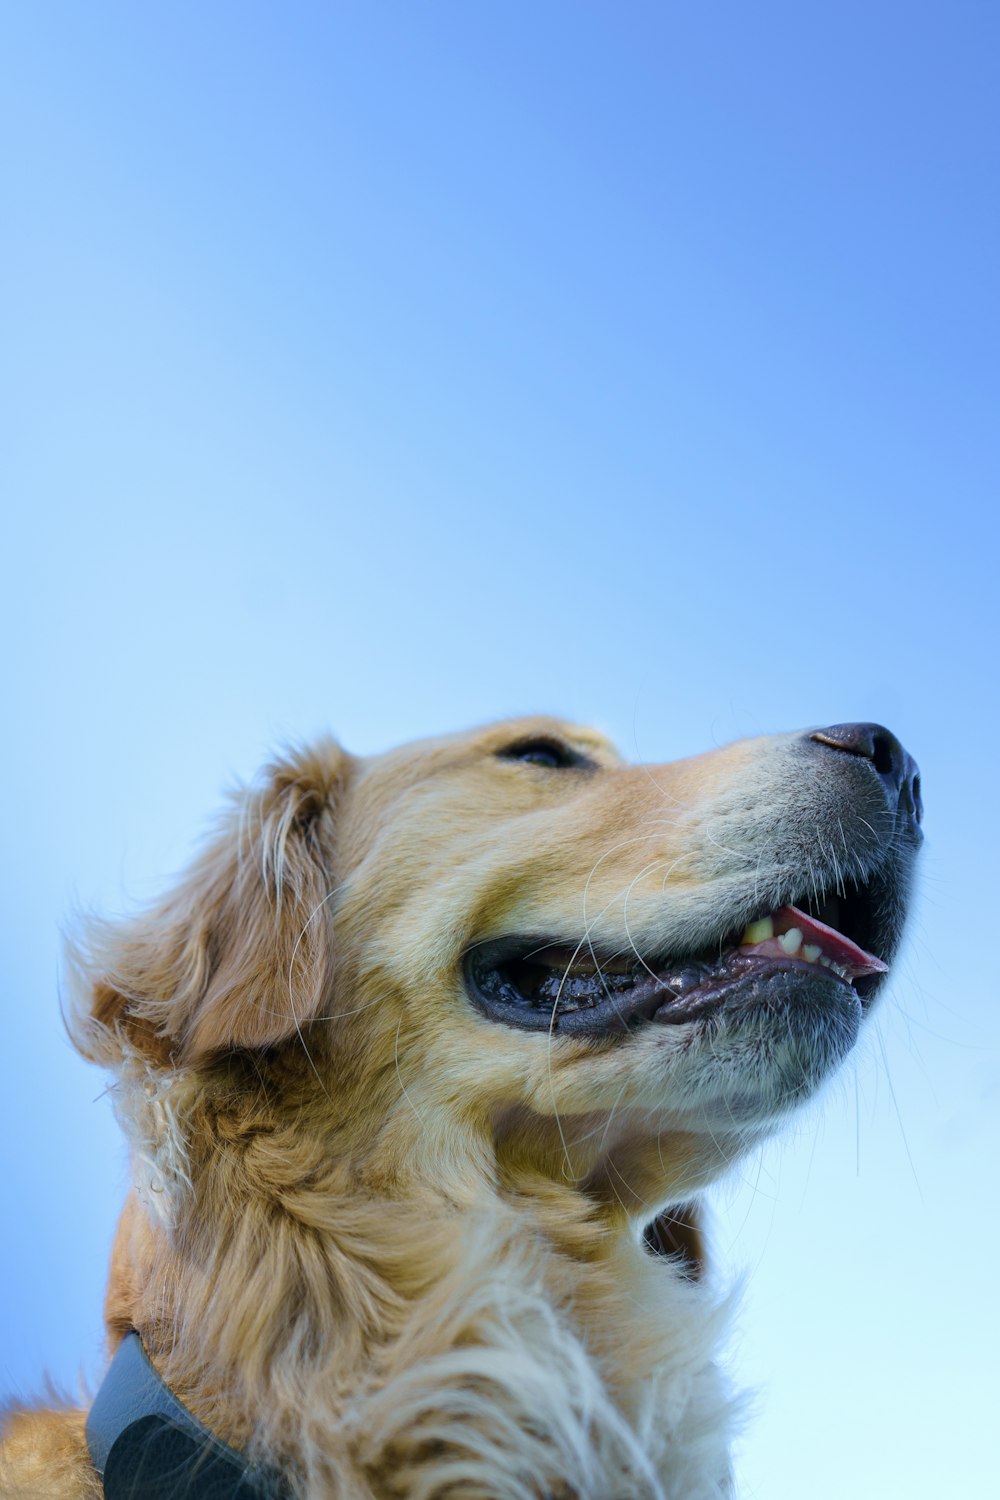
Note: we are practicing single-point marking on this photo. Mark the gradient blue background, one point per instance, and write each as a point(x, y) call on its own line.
point(387, 368)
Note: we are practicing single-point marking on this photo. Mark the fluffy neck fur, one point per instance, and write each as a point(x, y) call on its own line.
point(378, 1337)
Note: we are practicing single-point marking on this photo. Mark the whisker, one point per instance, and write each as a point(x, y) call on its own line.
point(395, 1054)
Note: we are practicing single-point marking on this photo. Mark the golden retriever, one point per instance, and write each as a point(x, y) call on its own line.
point(424, 1065)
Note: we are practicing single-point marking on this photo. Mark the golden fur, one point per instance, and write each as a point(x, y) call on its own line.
point(375, 1237)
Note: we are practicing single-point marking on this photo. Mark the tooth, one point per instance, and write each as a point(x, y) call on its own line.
point(758, 932)
point(811, 952)
point(791, 941)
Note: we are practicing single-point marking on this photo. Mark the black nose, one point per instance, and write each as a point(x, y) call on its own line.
point(897, 770)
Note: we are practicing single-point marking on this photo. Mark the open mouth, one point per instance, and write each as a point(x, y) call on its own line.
point(539, 984)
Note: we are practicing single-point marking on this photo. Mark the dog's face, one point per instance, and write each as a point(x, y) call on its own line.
point(510, 952)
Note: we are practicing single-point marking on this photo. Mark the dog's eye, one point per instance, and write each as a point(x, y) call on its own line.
point(544, 752)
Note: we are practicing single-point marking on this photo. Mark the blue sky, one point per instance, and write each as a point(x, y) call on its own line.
point(385, 369)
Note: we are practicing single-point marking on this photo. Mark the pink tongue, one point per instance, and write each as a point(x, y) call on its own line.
point(834, 944)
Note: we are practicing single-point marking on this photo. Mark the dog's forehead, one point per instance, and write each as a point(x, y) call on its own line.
point(488, 739)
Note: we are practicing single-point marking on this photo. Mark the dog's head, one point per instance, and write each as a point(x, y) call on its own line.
point(510, 953)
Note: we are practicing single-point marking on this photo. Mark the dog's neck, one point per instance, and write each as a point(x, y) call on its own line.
point(286, 1288)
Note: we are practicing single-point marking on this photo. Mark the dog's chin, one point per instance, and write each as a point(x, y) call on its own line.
point(757, 1049)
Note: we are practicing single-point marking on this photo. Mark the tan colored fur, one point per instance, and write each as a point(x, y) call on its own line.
point(374, 1236)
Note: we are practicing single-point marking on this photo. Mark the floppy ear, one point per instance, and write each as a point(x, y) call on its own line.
point(240, 953)
point(678, 1234)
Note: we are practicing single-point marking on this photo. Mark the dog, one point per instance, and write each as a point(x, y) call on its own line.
point(425, 1066)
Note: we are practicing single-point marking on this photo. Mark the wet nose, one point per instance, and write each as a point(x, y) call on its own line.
point(895, 767)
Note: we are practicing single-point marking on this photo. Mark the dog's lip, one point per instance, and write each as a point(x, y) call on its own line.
point(672, 994)
point(787, 941)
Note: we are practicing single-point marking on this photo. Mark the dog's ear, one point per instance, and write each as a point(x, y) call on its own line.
point(240, 953)
point(678, 1234)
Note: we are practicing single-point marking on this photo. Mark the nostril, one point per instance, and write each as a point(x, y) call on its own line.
point(918, 801)
point(883, 754)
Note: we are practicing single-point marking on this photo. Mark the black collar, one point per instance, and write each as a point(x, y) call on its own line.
point(147, 1446)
